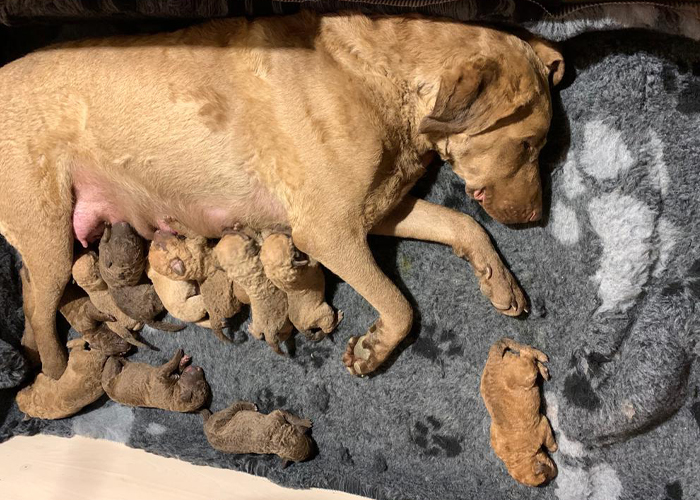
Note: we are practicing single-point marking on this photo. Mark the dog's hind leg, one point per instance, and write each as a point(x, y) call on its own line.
point(35, 218)
point(48, 277)
point(31, 350)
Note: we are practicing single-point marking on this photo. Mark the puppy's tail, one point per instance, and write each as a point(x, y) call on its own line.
point(164, 326)
point(205, 413)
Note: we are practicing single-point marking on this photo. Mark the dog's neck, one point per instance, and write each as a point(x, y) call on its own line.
point(406, 75)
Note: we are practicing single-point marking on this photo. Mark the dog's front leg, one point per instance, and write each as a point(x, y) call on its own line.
point(345, 252)
point(421, 220)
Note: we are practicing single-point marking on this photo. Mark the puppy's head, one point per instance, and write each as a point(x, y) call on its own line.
point(534, 471)
point(192, 389)
point(490, 121)
point(122, 255)
point(177, 257)
point(86, 272)
point(293, 443)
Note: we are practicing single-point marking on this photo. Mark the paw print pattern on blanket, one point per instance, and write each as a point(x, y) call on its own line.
point(631, 371)
point(433, 441)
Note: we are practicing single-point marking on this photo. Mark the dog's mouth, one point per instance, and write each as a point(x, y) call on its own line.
point(478, 194)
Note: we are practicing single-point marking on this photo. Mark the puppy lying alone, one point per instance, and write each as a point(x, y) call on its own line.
point(512, 397)
point(174, 386)
point(242, 429)
point(79, 386)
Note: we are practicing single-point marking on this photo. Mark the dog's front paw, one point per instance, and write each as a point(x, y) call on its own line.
point(357, 358)
point(364, 354)
point(499, 286)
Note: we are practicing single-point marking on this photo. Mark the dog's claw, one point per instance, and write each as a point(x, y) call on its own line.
point(358, 359)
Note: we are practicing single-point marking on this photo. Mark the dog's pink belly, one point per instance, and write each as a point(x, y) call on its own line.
point(95, 205)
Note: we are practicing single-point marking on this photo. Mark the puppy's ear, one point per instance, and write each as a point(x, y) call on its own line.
point(177, 266)
point(552, 58)
point(460, 87)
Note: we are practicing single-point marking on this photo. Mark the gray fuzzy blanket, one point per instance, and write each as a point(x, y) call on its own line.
point(613, 276)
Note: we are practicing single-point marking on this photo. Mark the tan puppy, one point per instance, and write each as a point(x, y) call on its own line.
point(173, 386)
point(301, 278)
point(512, 397)
point(239, 256)
point(181, 298)
point(191, 259)
point(79, 386)
point(139, 129)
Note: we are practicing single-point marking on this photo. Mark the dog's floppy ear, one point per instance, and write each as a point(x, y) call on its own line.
point(552, 58)
point(460, 87)
point(474, 96)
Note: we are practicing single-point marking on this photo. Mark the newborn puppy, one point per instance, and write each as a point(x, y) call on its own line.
point(173, 386)
point(301, 278)
point(242, 429)
point(79, 386)
point(89, 322)
point(122, 257)
point(518, 430)
point(181, 298)
point(238, 254)
point(190, 259)
point(86, 273)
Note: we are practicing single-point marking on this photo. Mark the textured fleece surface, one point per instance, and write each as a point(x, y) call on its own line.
point(613, 275)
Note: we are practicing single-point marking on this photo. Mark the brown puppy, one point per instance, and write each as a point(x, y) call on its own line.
point(190, 259)
point(86, 273)
point(173, 386)
point(79, 386)
point(512, 397)
point(83, 144)
point(82, 315)
point(242, 429)
point(123, 260)
point(301, 278)
point(239, 256)
point(89, 322)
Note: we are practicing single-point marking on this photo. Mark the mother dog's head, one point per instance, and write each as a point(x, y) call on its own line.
point(490, 120)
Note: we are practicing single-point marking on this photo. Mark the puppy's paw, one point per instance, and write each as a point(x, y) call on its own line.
point(498, 285)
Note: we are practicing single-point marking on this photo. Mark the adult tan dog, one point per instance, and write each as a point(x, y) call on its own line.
point(317, 123)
